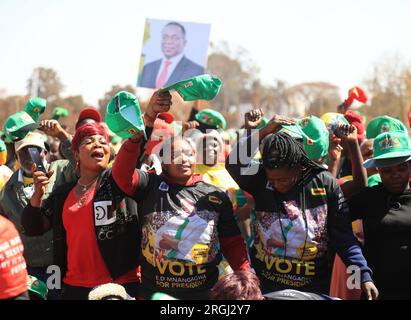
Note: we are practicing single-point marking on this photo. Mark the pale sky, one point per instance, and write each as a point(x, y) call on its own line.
point(93, 44)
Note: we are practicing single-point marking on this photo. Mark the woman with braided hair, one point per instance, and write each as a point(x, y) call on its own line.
point(299, 212)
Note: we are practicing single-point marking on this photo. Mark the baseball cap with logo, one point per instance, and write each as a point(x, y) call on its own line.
point(18, 125)
point(123, 115)
point(390, 149)
point(36, 288)
point(35, 107)
point(203, 87)
point(382, 124)
point(314, 134)
point(212, 118)
point(35, 139)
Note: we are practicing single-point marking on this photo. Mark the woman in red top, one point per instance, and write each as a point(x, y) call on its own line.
point(95, 238)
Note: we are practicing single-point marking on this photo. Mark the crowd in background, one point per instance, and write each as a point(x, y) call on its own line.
point(278, 209)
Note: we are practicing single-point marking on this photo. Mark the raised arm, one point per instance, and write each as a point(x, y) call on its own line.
point(348, 133)
point(240, 163)
point(53, 129)
point(343, 240)
point(125, 174)
point(124, 170)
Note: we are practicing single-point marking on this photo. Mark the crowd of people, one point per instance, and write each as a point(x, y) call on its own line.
point(142, 205)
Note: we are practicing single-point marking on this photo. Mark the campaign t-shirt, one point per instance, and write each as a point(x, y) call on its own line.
point(291, 232)
point(387, 238)
point(181, 227)
point(13, 273)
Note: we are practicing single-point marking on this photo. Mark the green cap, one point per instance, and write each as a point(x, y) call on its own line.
point(59, 112)
point(211, 118)
point(204, 87)
point(18, 125)
point(123, 115)
point(384, 124)
point(390, 149)
point(314, 134)
point(35, 107)
point(37, 287)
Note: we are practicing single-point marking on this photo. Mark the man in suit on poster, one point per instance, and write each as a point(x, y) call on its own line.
point(174, 66)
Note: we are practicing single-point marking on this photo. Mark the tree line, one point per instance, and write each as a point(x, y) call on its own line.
point(388, 86)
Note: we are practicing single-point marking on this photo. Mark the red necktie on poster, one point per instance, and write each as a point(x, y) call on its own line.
point(163, 75)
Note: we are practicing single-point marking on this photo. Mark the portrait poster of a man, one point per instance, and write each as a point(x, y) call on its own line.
point(172, 51)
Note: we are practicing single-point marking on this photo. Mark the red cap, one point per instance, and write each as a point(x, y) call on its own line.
point(356, 120)
point(356, 93)
point(89, 113)
point(166, 116)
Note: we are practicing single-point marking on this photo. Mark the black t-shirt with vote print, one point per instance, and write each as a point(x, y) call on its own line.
point(181, 227)
point(292, 231)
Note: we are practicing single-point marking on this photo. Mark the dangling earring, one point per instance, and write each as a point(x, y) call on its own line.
point(77, 171)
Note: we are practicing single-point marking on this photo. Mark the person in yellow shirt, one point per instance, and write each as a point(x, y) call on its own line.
point(211, 165)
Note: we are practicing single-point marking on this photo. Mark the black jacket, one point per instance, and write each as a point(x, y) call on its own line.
point(116, 226)
point(386, 219)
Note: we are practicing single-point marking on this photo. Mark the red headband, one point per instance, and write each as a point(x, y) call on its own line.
point(85, 131)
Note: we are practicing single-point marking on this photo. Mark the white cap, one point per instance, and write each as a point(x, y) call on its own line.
point(31, 139)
